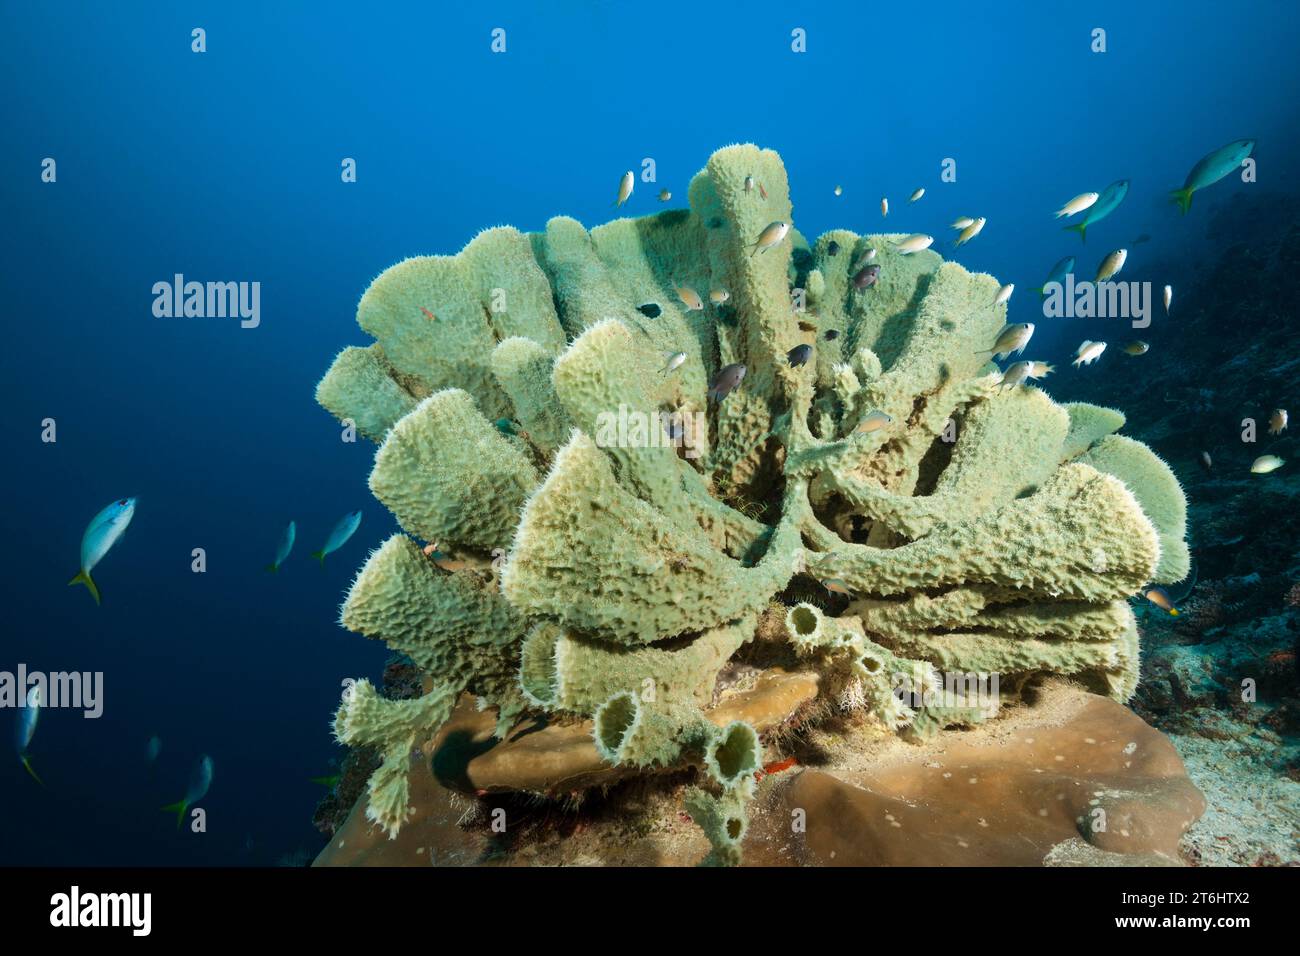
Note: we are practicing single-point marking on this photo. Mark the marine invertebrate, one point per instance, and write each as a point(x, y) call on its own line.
point(981, 529)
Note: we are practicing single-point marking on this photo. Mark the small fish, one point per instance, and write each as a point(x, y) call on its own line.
point(665, 195)
point(1059, 271)
point(329, 782)
point(27, 718)
point(799, 355)
point(961, 222)
point(917, 195)
point(761, 191)
point(832, 334)
point(200, 781)
point(1277, 422)
point(1018, 373)
point(970, 232)
point(914, 243)
point(1137, 347)
point(839, 190)
point(1160, 598)
point(1210, 169)
point(1012, 338)
point(1106, 204)
point(874, 422)
point(776, 766)
point(806, 326)
point(1145, 237)
point(153, 748)
point(832, 248)
point(1111, 265)
point(506, 427)
point(1266, 463)
point(863, 260)
point(690, 298)
point(719, 296)
point(749, 184)
point(726, 381)
point(1078, 204)
point(675, 360)
point(429, 315)
point(1088, 352)
point(884, 206)
point(866, 277)
point(1169, 297)
point(1004, 294)
point(345, 528)
point(836, 586)
point(625, 188)
point(1206, 461)
point(649, 310)
point(770, 236)
point(101, 534)
point(284, 547)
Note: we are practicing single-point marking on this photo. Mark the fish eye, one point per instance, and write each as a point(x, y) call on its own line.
point(122, 502)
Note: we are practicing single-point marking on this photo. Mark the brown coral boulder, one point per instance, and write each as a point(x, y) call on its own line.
point(1074, 779)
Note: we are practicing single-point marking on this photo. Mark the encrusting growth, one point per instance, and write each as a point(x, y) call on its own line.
point(967, 527)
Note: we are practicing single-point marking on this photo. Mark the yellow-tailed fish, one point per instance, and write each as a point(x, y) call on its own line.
point(1210, 169)
point(200, 781)
point(284, 547)
point(27, 718)
point(1160, 598)
point(101, 534)
point(344, 529)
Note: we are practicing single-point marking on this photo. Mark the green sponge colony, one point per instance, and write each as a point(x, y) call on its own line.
point(604, 537)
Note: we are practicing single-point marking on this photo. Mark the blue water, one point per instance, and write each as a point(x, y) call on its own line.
point(226, 166)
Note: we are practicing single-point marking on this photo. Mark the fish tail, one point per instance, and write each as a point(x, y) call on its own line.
point(178, 808)
point(1081, 228)
point(1183, 197)
point(319, 556)
point(1173, 612)
point(27, 765)
point(83, 577)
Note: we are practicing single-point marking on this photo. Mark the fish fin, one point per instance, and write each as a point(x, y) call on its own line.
point(27, 765)
point(273, 568)
point(1183, 197)
point(1081, 228)
point(178, 808)
point(319, 556)
point(83, 577)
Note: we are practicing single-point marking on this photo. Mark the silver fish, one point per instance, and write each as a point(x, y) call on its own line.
point(345, 528)
point(101, 534)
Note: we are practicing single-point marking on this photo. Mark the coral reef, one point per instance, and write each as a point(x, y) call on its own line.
point(1221, 678)
point(616, 586)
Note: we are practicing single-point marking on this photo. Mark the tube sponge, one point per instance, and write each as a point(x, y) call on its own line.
point(635, 575)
